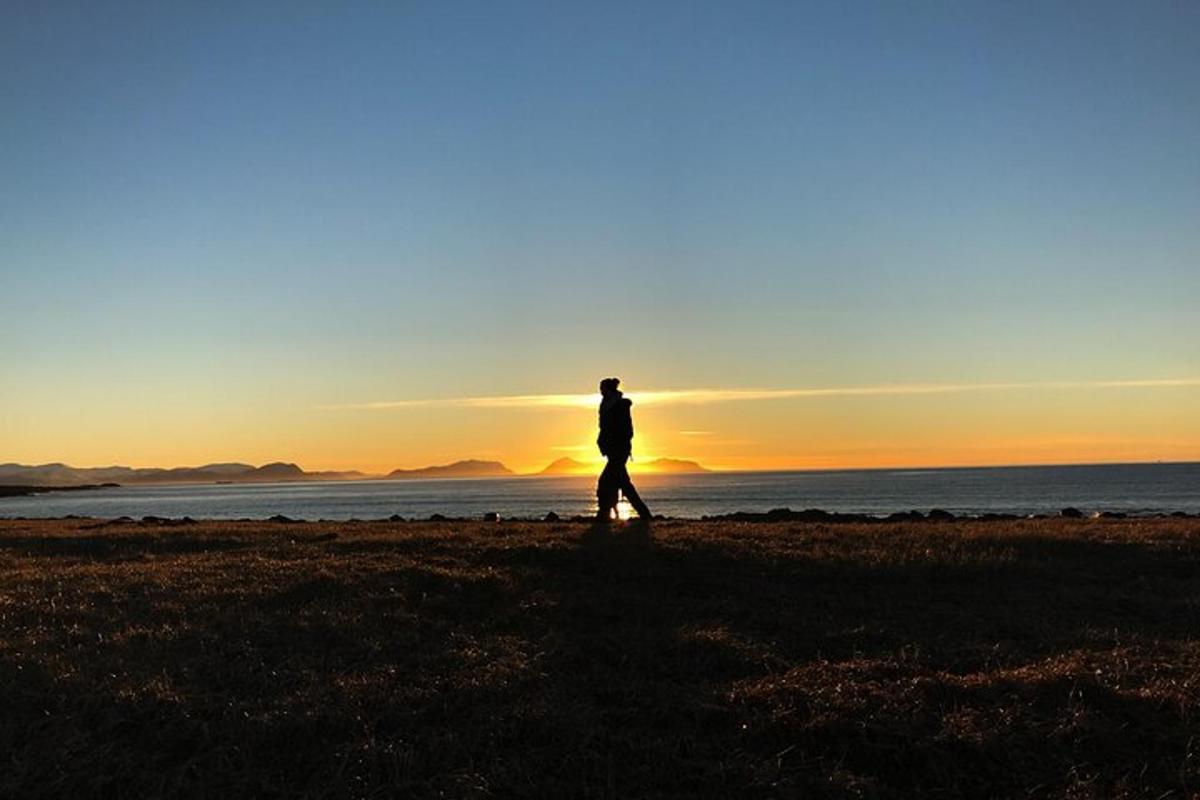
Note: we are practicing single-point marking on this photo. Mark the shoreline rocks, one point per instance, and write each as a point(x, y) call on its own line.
point(774, 515)
point(936, 515)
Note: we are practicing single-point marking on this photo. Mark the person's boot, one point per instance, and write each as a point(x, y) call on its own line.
point(607, 494)
point(635, 500)
point(606, 508)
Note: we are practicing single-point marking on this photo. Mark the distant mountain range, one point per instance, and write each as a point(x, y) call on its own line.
point(672, 465)
point(567, 466)
point(64, 475)
point(470, 468)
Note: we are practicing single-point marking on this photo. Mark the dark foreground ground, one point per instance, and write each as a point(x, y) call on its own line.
point(1052, 658)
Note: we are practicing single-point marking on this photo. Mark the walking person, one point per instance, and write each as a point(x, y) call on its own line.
point(616, 444)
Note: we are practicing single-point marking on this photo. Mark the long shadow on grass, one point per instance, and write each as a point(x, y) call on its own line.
point(1038, 597)
point(662, 652)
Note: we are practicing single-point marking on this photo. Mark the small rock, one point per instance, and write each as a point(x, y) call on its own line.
point(491, 516)
point(904, 516)
point(395, 518)
point(941, 514)
point(1112, 515)
point(551, 517)
point(437, 518)
point(1071, 513)
point(281, 518)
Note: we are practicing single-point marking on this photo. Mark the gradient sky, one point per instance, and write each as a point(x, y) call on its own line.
point(226, 230)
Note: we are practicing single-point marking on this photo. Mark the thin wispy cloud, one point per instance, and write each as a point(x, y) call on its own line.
point(710, 396)
point(499, 401)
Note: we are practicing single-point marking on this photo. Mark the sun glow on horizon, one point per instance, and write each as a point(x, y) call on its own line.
point(1054, 423)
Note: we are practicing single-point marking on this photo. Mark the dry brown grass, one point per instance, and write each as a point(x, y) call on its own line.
point(1043, 658)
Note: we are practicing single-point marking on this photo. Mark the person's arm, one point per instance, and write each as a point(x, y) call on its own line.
point(628, 420)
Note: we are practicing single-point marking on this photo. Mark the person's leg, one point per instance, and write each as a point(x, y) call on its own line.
point(631, 494)
point(606, 492)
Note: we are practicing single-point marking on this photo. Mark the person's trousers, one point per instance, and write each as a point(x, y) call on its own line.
point(613, 480)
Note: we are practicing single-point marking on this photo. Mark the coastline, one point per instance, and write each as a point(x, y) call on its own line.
point(23, 490)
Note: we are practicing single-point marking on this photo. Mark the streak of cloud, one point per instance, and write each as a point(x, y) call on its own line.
point(709, 396)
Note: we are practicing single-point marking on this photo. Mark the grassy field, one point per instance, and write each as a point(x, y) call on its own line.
point(1052, 658)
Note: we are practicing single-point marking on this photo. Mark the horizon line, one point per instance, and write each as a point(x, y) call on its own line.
point(724, 470)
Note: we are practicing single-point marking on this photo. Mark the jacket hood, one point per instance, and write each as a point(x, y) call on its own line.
point(611, 400)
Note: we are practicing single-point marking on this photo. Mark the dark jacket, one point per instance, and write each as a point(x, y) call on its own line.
point(616, 426)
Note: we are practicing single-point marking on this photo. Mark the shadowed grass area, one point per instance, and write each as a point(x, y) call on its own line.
point(1046, 658)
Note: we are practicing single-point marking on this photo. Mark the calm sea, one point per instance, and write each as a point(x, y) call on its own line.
point(1129, 488)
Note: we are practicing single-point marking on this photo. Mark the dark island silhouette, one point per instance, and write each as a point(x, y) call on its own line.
point(566, 466)
point(58, 474)
point(677, 465)
point(469, 468)
point(571, 466)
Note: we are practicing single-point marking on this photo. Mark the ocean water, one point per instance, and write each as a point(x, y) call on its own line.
point(1135, 489)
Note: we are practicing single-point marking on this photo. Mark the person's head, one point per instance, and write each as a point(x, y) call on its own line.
point(609, 385)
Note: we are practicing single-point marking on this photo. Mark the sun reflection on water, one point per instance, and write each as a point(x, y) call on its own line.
point(624, 510)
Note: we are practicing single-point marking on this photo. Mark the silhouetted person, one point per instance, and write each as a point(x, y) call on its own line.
point(616, 444)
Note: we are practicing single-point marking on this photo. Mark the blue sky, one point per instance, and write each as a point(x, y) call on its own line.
point(404, 200)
